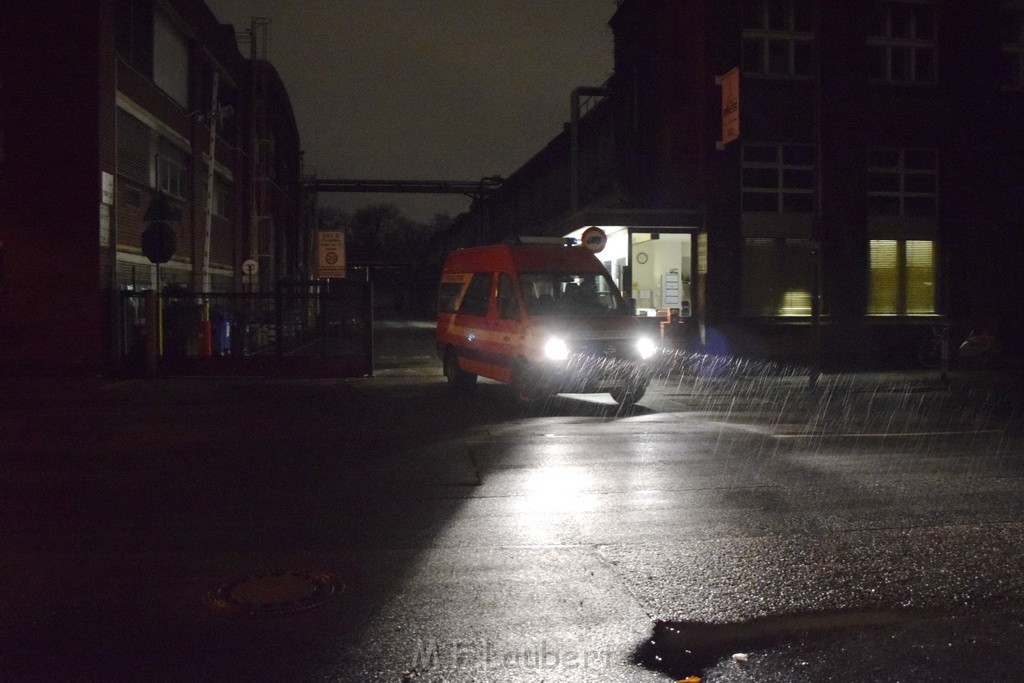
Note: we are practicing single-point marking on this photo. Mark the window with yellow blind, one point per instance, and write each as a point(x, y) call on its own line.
point(778, 277)
point(902, 277)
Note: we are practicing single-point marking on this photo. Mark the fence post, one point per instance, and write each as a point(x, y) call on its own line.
point(279, 318)
point(368, 317)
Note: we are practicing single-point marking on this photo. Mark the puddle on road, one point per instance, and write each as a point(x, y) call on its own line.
point(682, 649)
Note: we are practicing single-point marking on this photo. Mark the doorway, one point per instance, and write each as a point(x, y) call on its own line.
point(661, 266)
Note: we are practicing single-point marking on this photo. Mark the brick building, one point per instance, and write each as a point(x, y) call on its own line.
point(104, 106)
point(880, 162)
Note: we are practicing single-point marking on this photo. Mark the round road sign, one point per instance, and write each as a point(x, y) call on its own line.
point(594, 239)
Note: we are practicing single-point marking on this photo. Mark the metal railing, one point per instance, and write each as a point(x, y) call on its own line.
point(303, 328)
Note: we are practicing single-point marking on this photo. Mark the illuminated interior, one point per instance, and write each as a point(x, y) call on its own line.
point(661, 265)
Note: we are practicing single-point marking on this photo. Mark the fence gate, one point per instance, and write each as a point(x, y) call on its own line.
point(304, 329)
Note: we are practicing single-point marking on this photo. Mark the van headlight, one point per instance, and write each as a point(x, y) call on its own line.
point(555, 348)
point(646, 347)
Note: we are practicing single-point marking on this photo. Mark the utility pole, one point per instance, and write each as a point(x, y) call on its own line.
point(819, 189)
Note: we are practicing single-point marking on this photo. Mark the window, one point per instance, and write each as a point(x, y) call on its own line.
point(171, 170)
point(902, 277)
point(778, 178)
point(134, 34)
point(1012, 25)
point(474, 301)
point(777, 38)
point(170, 59)
point(778, 277)
point(448, 296)
point(902, 182)
point(508, 305)
point(133, 148)
point(221, 198)
point(901, 42)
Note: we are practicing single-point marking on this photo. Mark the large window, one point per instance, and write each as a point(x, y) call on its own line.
point(902, 277)
point(134, 34)
point(778, 277)
point(562, 293)
point(902, 182)
point(170, 59)
point(777, 38)
point(778, 178)
point(474, 301)
point(221, 197)
point(901, 42)
point(1012, 25)
point(134, 142)
point(171, 170)
point(508, 304)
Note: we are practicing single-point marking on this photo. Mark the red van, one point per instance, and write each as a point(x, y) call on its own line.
point(543, 317)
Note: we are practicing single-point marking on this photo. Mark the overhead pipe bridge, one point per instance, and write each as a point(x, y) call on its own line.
point(475, 189)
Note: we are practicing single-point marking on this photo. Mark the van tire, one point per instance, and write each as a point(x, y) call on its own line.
point(628, 395)
point(459, 378)
point(529, 398)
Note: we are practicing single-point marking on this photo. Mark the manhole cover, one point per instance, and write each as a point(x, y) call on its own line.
point(275, 593)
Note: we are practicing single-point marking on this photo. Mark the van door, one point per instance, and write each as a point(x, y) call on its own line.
point(475, 346)
point(508, 325)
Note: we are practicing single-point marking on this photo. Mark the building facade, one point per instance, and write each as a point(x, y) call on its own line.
point(878, 171)
point(110, 110)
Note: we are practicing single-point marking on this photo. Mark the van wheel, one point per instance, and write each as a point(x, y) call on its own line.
point(628, 395)
point(529, 396)
point(458, 377)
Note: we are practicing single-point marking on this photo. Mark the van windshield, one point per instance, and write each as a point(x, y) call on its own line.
point(570, 294)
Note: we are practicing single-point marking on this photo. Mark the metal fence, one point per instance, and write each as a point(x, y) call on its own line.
point(302, 329)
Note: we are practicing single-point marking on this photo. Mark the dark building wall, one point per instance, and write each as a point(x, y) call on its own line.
point(666, 117)
point(50, 310)
point(65, 93)
point(661, 96)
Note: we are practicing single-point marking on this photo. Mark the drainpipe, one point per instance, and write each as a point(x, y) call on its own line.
point(574, 145)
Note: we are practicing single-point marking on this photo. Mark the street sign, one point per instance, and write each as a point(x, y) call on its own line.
point(331, 250)
point(159, 242)
point(730, 82)
point(594, 239)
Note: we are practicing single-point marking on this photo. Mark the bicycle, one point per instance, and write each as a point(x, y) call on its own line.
point(976, 352)
point(979, 349)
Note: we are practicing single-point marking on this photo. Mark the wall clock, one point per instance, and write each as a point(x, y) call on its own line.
point(641, 257)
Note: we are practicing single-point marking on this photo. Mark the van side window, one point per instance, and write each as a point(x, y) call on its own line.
point(448, 296)
point(474, 301)
point(508, 306)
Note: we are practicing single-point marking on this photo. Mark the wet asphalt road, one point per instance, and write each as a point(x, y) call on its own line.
point(869, 529)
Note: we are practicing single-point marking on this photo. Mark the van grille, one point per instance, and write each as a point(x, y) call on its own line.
point(623, 349)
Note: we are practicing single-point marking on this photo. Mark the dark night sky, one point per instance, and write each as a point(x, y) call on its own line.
point(429, 89)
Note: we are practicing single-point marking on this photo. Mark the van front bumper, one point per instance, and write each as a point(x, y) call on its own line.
point(585, 374)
